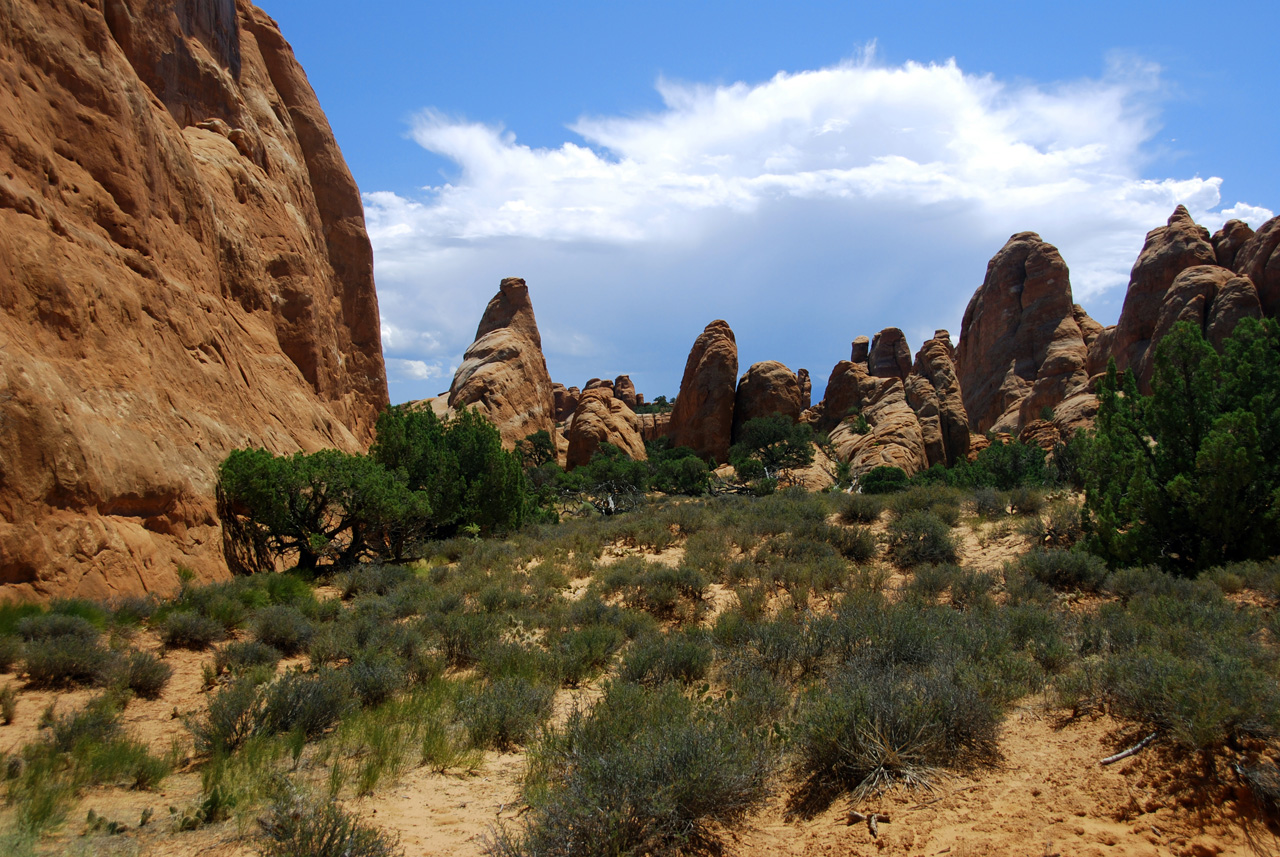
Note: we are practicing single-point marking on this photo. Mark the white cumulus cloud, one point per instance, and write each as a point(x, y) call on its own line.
point(807, 209)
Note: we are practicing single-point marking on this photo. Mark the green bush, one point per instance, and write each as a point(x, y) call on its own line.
point(660, 658)
point(644, 771)
point(580, 654)
point(505, 713)
point(375, 677)
point(47, 626)
point(10, 652)
point(917, 538)
point(54, 662)
point(928, 582)
point(143, 673)
point(883, 480)
point(298, 827)
point(872, 729)
point(1064, 570)
point(283, 628)
point(861, 508)
point(239, 656)
point(188, 630)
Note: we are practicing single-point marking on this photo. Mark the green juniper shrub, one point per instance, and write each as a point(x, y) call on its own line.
point(296, 826)
point(920, 537)
point(678, 656)
point(883, 480)
point(141, 672)
point(237, 656)
point(505, 713)
point(861, 508)
point(776, 442)
point(283, 628)
point(186, 629)
point(644, 771)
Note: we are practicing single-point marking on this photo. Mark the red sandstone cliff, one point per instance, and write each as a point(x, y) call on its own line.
point(184, 269)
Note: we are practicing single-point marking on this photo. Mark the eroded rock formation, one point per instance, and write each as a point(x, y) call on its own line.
point(503, 373)
point(766, 389)
point(184, 270)
point(1259, 260)
point(1022, 343)
point(933, 392)
point(602, 417)
point(703, 415)
point(625, 390)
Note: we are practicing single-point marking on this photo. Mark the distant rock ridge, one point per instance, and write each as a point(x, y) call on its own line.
point(184, 270)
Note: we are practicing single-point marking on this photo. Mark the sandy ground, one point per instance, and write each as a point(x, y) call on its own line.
point(1048, 794)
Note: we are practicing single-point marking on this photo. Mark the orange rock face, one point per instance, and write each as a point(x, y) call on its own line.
point(600, 418)
point(703, 416)
point(1022, 348)
point(766, 389)
point(184, 270)
point(503, 373)
point(933, 391)
point(1259, 260)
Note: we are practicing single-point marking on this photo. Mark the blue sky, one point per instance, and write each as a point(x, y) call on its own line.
point(808, 171)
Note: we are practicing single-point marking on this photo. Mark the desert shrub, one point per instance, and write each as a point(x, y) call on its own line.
point(373, 578)
point(990, 503)
point(942, 500)
point(236, 657)
point(375, 677)
point(46, 626)
point(883, 480)
point(971, 590)
point(928, 582)
point(12, 613)
point(8, 704)
point(283, 628)
point(708, 552)
point(55, 662)
point(98, 722)
point(582, 653)
point(93, 612)
point(921, 537)
point(872, 728)
point(856, 544)
point(683, 657)
point(307, 703)
point(505, 713)
point(295, 826)
point(133, 610)
point(232, 716)
point(1026, 500)
point(10, 652)
point(143, 673)
point(464, 636)
point(1064, 570)
point(644, 771)
point(659, 589)
point(186, 629)
point(861, 508)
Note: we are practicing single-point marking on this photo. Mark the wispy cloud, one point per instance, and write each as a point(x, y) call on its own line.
point(805, 209)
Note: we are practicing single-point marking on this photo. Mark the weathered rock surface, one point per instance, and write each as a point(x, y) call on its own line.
point(566, 401)
point(766, 389)
point(503, 373)
point(1228, 241)
point(1259, 260)
point(1169, 250)
point(894, 436)
point(625, 390)
point(890, 355)
point(654, 426)
point(184, 270)
point(806, 389)
point(860, 350)
point(1022, 348)
point(602, 417)
point(703, 415)
point(933, 392)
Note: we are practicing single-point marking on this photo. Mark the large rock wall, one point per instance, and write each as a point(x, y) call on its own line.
point(703, 415)
point(184, 270)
